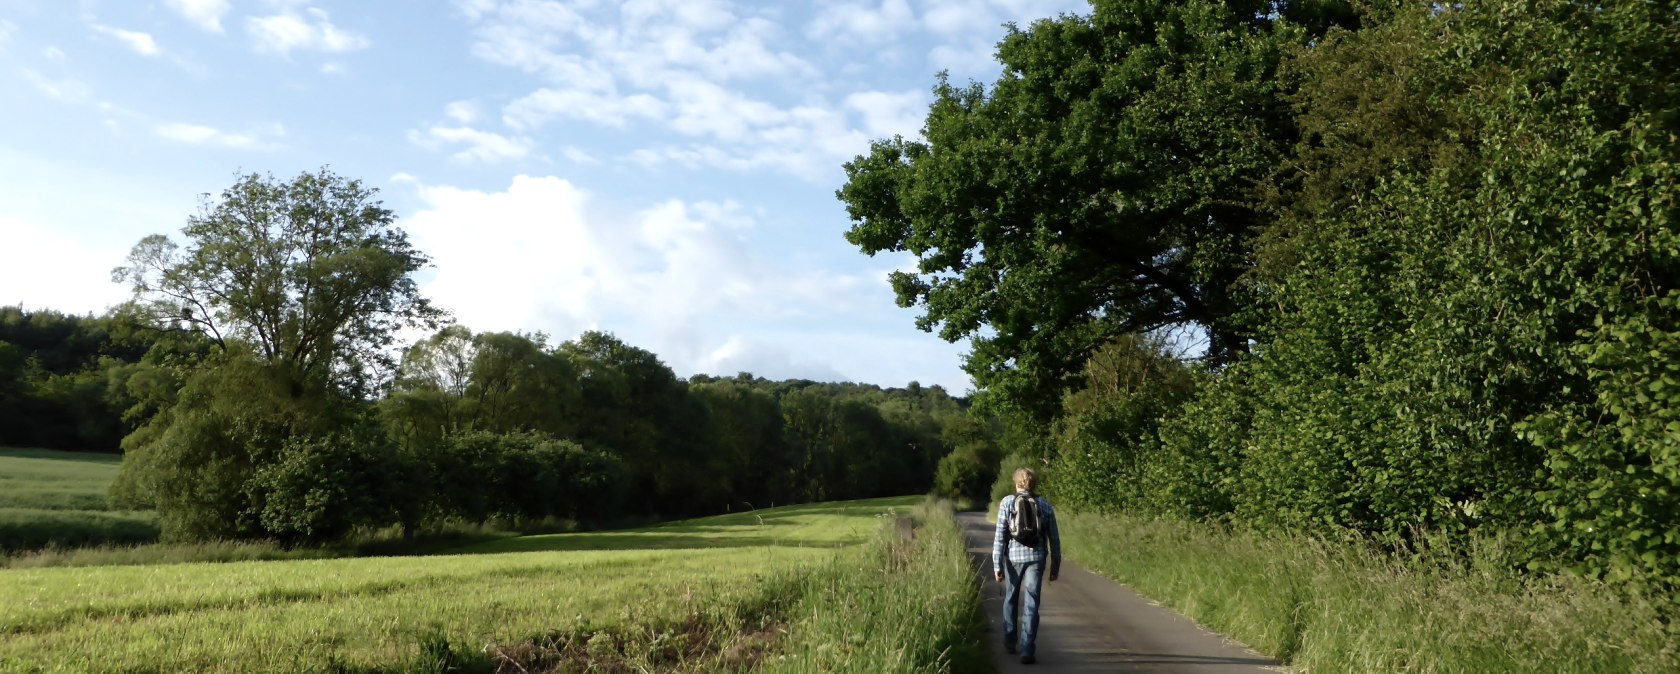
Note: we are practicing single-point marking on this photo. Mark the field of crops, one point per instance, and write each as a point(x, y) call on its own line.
point(50, 497)
point(365, 614)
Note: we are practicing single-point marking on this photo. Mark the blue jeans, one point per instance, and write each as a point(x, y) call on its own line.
point(1023, 578)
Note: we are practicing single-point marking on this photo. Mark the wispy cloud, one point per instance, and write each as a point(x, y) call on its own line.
point(306, 29)
point(60, 89)
point(464, 112)
point(197, 134)
point(862, 22)
point(141, 43)
point(685, 66)
point(607, 108)
point(206, 13)
point(886, 114)
point(482, 146)
point(578, 155)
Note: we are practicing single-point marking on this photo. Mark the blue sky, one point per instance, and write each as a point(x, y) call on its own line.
point(660, 169)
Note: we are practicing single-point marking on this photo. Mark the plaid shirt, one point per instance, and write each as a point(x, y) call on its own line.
point(1020, 553)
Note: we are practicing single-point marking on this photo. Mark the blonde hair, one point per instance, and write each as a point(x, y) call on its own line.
point(1026, 479)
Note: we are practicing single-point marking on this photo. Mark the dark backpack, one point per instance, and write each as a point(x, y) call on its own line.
point(1023, 521)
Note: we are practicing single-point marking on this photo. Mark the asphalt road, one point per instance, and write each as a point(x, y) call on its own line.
point(1088, 623)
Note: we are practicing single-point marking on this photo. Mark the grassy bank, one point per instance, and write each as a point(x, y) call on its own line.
point(1329, 608)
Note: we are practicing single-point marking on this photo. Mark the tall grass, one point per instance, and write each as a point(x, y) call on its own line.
point(1336, 607)
point(890, 606)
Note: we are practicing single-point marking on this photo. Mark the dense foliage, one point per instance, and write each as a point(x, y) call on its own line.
point(1447, 234)
point(73, 382)
point(707, 444)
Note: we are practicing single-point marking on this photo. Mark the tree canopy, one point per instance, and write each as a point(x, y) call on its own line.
point(1106, 183)
point(313, 273)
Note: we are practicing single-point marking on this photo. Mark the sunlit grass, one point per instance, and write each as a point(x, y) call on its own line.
point(375, 612)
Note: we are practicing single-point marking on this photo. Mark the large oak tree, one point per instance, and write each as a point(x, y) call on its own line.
point(1105, 184)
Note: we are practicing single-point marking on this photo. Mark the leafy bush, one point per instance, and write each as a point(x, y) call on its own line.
point(962, 475)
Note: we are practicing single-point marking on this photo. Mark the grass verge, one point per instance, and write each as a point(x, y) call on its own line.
point(1329, 608)
point(891, 606)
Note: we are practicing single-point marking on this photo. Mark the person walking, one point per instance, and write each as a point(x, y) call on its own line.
point(1026, 531)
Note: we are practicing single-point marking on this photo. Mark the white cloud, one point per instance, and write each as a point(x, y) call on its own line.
point(956, 23)
point(75, 278)
point(66, 90)
point(141, 43)
point(206, 13)
point(309, 29)
point(482, 146)
point(53, 53)
point(196, 134)
point(862, 22)
point(674, 278)
point(605, 108)
point(7, 28)
point(886, 114)
point(465, 112)
point(765, 359)
point(473, 9)
point(966, 61)
point(578, 155)
point(683, 65)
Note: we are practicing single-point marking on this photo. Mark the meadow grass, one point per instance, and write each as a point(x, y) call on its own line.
point(47, 479)
point(51, 498)
point(1328, 607)
point(636, 597)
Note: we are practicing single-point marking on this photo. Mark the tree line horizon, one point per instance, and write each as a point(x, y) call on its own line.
point(474, 428)
point(256, 390)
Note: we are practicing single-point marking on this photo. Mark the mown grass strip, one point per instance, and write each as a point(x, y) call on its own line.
point(1329, 608)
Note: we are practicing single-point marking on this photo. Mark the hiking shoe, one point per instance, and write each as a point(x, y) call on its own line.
point(1009, 648)
point(1028, 659)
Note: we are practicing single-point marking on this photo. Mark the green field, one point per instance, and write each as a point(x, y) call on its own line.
point(366, 614)
point(50, 497)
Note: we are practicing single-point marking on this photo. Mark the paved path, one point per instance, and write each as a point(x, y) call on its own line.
point(1088, 623)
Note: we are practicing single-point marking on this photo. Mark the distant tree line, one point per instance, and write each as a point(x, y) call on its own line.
point(66, 380)
point(1433, 250)
point(255, 389)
